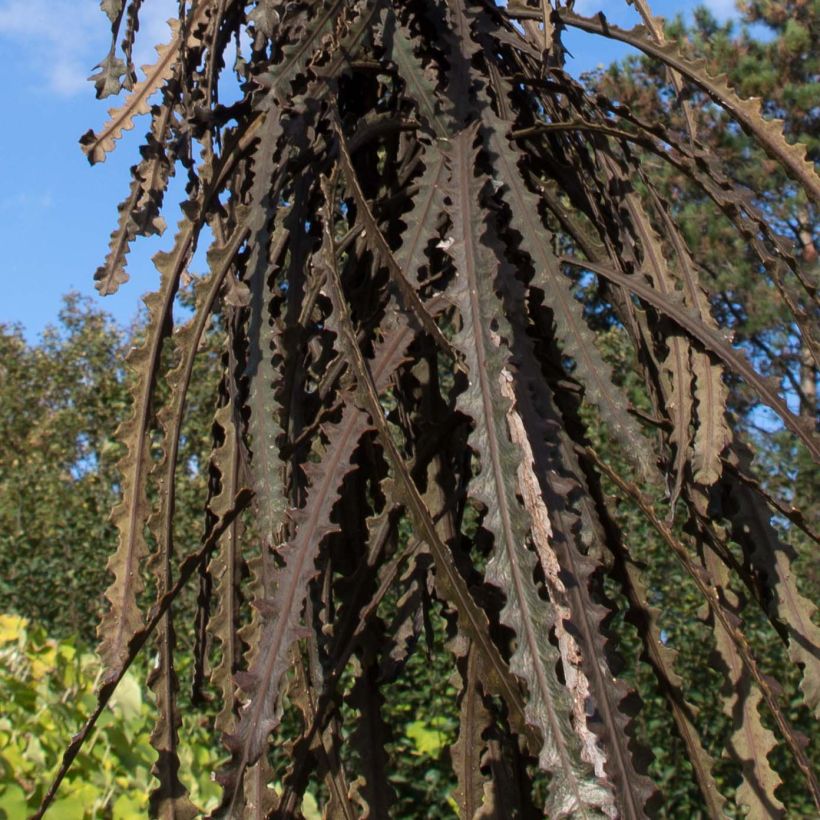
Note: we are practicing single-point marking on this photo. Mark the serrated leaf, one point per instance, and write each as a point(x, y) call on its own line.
point(96, 145)
point(573, 788)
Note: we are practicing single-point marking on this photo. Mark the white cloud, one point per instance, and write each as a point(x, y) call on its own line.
point(62, 40)
point(27, 201)
point(722, 9)
point(55, 37)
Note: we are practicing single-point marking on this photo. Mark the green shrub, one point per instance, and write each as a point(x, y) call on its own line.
point(46, 690)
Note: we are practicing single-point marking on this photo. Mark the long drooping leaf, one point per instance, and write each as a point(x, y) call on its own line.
point(751, 742)
point(571, 327)
point(568, 538)
point(263, 426)
point(567, 572)
point(123, 618)
point(226, 570)
point(712, 432)
point(139, 212)
point(468, 750)
point(169, 799)
point(676, 366)
point(751, 524)
point(511, 566)
point(420, 85)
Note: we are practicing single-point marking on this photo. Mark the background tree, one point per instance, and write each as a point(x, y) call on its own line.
point(779, 65)
point(61, 401)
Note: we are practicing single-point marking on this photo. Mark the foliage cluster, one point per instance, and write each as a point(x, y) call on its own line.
point(61, 401)
point(420, 712)
point(46, 686)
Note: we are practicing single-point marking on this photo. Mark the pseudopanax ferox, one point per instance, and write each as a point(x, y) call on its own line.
point(475, 401)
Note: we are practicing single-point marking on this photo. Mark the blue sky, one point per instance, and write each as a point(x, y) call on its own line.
point(56, 211)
